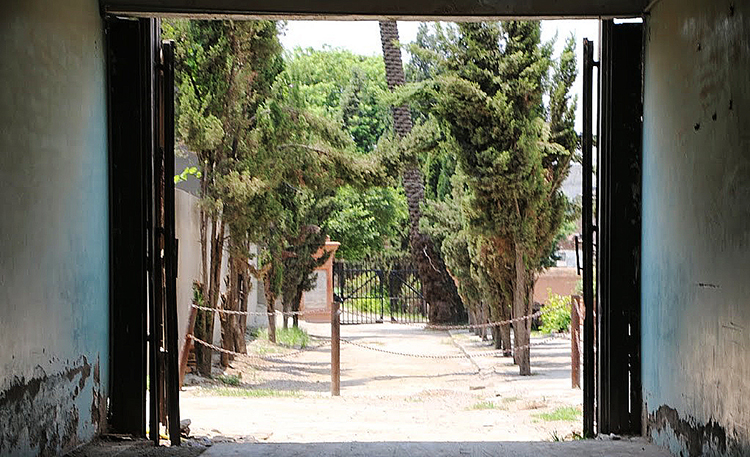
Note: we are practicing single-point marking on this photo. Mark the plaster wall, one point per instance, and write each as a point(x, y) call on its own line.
point(187, 231)
point(54, 310)
point(696, 227)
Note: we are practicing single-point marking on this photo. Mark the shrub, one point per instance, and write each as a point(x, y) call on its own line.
point(556, 314)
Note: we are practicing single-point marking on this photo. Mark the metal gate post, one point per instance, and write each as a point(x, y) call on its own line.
point(588, 238)
point(335, 349)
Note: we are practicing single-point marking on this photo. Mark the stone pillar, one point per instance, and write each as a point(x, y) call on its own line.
point(316, 303)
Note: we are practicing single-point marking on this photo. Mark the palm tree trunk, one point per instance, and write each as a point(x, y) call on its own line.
point(437, 286)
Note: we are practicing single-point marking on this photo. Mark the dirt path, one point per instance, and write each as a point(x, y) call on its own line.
point(387, 397)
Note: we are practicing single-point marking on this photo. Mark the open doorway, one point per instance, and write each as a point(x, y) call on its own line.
point(389, 358)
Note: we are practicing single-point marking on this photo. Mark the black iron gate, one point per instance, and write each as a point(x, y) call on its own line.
point(371, 293)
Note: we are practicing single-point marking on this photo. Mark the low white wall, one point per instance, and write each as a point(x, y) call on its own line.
point(187, 229)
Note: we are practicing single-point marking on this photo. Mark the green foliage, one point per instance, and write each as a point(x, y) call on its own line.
point(230, 380)
point(293, 337)
point(366, 305)
point(485, 83)
point(344, 87)
point(349, 91)
point(563, 413)
point(186, 173)
point(556, 314)
point(252, 393)
point(367, 222)
point(430, 52)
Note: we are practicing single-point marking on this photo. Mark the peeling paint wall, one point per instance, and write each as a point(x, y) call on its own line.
point(54, 310)
point(696, 227)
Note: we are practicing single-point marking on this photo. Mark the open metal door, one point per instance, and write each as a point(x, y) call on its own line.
point(164, 373)
point(143, 249)
point(618, 238)
point(612, 232)
point(129, 215)
point(588, 239)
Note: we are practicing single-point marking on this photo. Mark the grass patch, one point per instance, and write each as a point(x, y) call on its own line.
point(293, 337)
point(563, 413)
point(252, 393)
point(230, 380)
point(510, 399)
point(482, 405)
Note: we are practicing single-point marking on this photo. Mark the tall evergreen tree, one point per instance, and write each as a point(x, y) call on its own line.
point(512, 151)
point(224, 71)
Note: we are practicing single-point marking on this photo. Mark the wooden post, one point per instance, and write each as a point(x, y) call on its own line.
point(187, 344)
point(335, 350)
point(575, 347)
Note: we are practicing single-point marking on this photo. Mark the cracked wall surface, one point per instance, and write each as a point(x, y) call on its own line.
point(696, 227)
point(54, 310)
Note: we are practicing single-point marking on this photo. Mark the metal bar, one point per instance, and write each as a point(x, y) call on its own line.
point(602, 235)
point(382, 295)
point(149, 145)
point(170, 244)
point(359, 288)
point(335, 350)
point(588, 258)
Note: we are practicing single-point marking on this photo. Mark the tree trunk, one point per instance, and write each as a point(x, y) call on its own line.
point(504, 330)
point(285, 309)
point(233, 338)
point(245, 289)
point(270, 304)
point(203, 329)
point(203, 354)
point(295, 309)
point(521, 329)
point(501, 333)
point(480, 319)
point(203, 319)
point(437, 286)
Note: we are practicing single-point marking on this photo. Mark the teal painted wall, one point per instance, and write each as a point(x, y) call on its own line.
point(54, 311)
point(696, 227)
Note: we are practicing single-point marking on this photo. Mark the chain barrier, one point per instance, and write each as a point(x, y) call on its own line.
point(485, 325)
point(279, 358)
point(247, 313)
point(415, 324)
point(270, 359)
point(462, 356)
point(403, 354)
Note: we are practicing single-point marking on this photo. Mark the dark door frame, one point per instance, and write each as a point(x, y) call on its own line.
point(129, 190)
point(133, 138)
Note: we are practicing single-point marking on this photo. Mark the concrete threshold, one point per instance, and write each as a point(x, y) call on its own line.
point(583, 448)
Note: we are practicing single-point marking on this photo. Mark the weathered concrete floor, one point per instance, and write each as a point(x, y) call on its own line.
point(464, 404)
point(623, 448)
